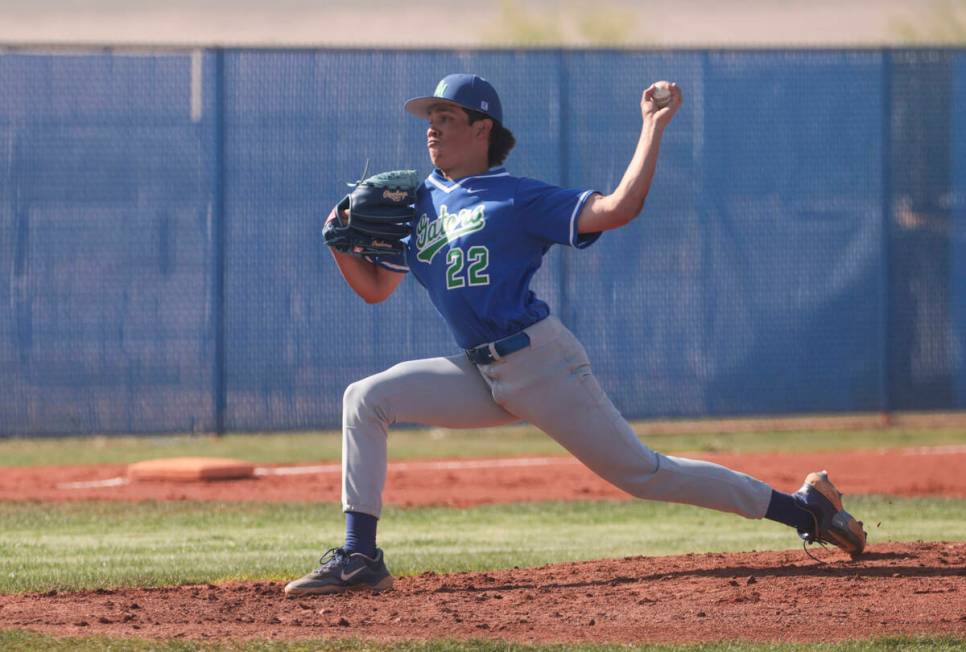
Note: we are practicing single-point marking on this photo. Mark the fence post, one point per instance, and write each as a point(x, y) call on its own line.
point(885, 285)
point(219, 387)
point(563, 277)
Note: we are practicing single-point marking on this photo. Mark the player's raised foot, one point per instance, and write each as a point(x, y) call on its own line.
point(341, 571)
point(832, 523)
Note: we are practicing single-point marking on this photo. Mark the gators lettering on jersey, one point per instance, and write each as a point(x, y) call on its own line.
point(478, 241)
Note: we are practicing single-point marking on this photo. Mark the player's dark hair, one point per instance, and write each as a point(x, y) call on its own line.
point(501, 138)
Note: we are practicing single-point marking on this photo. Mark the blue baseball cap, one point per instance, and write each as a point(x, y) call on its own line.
point(468, 91)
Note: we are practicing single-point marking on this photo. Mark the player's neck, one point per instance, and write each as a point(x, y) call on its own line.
point(467, 169)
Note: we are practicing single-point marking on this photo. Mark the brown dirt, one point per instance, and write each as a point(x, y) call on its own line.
point(768, 596)
point(909, 472)
point(894, 589)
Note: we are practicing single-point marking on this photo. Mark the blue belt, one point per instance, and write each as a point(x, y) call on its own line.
point(487, 353)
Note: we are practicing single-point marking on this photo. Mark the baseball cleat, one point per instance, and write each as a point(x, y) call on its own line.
point(832, 523)
point(341, 571)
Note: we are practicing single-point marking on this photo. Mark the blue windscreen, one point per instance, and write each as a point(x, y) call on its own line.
point(802, 249)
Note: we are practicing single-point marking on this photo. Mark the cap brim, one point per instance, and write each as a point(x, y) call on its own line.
point(419, 106)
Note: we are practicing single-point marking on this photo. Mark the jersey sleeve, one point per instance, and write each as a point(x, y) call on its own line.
point(550, 212)
point(393, 262)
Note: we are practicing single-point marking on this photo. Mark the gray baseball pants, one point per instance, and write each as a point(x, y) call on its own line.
point(551, 386)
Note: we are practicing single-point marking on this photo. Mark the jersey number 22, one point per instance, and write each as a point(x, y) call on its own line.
point(477, 259)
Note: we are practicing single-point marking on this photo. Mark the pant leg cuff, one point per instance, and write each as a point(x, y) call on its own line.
point(372, 510)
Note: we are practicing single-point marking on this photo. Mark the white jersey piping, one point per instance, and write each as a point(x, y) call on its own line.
point(458, 184)
point(573, 217)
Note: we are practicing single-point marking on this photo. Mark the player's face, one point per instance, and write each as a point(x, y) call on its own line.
point(450, 138)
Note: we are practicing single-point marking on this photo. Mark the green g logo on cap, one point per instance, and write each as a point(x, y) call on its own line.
point(440, 89)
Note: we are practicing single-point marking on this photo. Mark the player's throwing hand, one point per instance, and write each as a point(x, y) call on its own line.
point(653, 108)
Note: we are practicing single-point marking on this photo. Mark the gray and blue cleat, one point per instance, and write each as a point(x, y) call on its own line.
point(341, 571)
point(832, 523)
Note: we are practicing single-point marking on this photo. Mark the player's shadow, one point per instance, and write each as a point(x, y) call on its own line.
point(830, 568)
point(818, 569)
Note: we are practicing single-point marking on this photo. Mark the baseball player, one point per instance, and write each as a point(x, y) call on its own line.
point(479, 235)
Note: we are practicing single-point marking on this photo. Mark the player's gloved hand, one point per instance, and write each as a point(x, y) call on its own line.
point(374, 218)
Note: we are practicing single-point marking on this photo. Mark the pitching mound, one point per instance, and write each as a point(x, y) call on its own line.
point(766, 596)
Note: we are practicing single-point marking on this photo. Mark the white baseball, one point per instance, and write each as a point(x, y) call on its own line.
point(662, 94)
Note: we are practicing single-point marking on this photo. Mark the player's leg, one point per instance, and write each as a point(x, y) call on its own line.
point(444, 392)
point(551, 385)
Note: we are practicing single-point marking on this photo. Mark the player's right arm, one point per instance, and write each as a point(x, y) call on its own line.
point(370, 281)
point(606, 212)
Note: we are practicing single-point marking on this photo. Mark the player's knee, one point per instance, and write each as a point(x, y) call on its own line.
point(361, 401)
point(354, 396)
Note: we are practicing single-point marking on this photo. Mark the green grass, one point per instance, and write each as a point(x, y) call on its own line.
point(106, 544)
point(412, 443)
point(16, 641)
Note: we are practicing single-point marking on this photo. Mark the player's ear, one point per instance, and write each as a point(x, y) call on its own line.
point(484, 127)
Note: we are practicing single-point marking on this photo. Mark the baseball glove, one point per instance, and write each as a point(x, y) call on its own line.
point(375, 216)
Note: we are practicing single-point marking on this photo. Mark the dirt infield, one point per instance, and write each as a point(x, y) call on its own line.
point(937, 471)
point(894, 589)
point(778, 596)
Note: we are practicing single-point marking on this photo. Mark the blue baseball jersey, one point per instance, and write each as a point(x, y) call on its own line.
point(477, 242)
